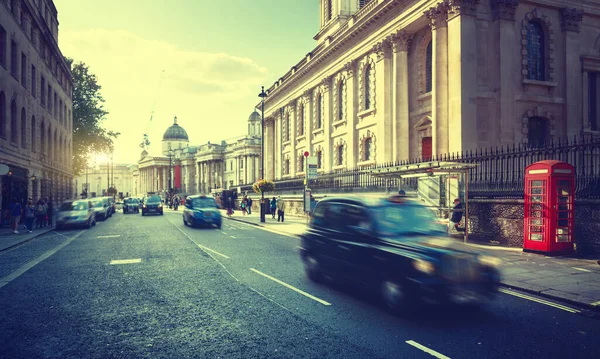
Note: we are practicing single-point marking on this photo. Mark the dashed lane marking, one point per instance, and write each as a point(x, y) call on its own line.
point(595, 304)
point(126, 261)
point(538, 300)
point(581, 269)
point(291, 287)
point(212, 251)
point(27, 266)
point(426, 350)
point(110, 236)
point(232, 237)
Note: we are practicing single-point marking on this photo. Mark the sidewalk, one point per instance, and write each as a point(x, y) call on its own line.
point(569, 279)
point(8, 239)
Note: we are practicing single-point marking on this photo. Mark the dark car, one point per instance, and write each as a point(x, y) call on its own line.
point(398, 248)
point(130, 205)
point(201, 211)
point(152, 204)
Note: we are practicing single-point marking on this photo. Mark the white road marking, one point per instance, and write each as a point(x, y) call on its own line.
point(232, 237)
point(27, 266)
point(126, 261)
point(110, 236)
point(538, 300)
point(291, 287)
point(213, 251)
point(426, 350)
point(595, 304)
point(270, 230)
point(581, 269)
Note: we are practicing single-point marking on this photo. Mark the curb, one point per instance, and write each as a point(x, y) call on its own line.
point(27, 240)
point(284, 233)
point(587, 306)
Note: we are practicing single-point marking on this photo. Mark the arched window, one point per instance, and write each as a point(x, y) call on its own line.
point(286, 166)
point(428, 67)
point(319, 110)
point(368, 87)
point(340, 94)
point(301, 120)
point(340, 155)
point(368, 148)
point(301, 163)
point(33, 133)
point(2, 114)
point(536, 52)
point(14, 134)
point(319, 159)
point(23, 128)
point(536, 134)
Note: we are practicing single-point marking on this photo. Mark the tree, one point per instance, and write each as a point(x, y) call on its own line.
point(88, 114)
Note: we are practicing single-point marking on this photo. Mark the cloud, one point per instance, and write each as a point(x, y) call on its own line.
point(211, 94)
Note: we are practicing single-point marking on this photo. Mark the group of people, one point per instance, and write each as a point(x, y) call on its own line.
point(278, 205)
point(29, 213)
point(174, 202)
point(245, 205)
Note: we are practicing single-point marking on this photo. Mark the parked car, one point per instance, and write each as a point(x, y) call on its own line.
point(395, 247)
point(111, 205)
point(131, 205)
point(201, 211)
point(152, 204)
point(76, 213)
point(101, 208)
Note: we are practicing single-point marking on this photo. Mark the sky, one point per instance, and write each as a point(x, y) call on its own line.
point(203, 61)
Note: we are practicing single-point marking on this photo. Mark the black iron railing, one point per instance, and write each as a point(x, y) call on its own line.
point(499, 173)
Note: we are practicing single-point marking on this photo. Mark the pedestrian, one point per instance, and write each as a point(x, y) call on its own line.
point(40, 213)
point(15, 215)
point(313, 203)
point(29, 213)
point(49, 214)
point(273, 207)
point(243, 206)
point(457, 213)
point(249, 207)
point(229, 206)
point(280, 209)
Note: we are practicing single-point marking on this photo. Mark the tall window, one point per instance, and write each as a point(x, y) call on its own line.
point(43, 90)
point(340, 155)
point(33, 133)
point(319, 110)
point(319, 159)
point(536, 134)
point(593, 100)
point(428, 67)
point(536, 51)
point(368, 87)
point(301, 120)
point(14, 133)
point(340, 93)
point(55, 105)
point(368, 148)
point(241, 163)
point(43, 137)
point(301, 163)
point(286, 166)
point(23, 69)
point(33, 81)
point(49, 99)
point(23, 129)
point(286, 128)
point(362, 3)
point(13, 59)
point(328, 10)
point(2, 114)
point(2, 46)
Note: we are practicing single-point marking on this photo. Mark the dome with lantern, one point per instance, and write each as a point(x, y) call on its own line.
point(175, 137)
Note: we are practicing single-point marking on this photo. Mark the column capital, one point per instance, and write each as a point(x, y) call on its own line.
point(462, 7)
point(382, 49)
point(326, 83)
point(307, 93)
point(504, 9)
point(349, 67)
point(401, 41)
point(438, 15)
point(570, 19)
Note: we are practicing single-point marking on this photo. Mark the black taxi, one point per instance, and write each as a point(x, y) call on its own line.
point(397, 247)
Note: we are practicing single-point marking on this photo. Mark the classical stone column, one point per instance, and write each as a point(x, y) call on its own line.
point(571, 26)
point(327, 124)
point(462, 76)
point(438, 17)
point(351, 110)
point(383, 74)
point(503, 12)
point(401, 42)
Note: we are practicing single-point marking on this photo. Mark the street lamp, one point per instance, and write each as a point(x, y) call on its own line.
point(262, 96)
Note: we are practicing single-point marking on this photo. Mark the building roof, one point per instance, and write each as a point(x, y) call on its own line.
point(254, 116)
point(175, 132)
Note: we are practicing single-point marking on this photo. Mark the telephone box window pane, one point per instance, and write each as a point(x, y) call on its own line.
point(536, 237)
point(564, 183)
point(535, 214)
point(538, 190)
point(563, 199)
point(537, 183)
point(536, 207)
point(562, 231)
point(536, 198)
point(561, 238)
point(537, 222)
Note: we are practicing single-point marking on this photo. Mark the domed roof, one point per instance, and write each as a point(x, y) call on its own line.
point(254, 116)
point(175, 132)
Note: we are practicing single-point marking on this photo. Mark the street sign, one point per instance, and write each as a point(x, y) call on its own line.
point(3, 169)
point(312, 168)
point(306, 154)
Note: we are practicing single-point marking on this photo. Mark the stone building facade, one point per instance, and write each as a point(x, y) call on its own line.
point(204, 168)
point(394, 80)
point(97, 180)
point(35, 103)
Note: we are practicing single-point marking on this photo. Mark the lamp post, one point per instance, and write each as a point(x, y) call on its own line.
point(262, 95)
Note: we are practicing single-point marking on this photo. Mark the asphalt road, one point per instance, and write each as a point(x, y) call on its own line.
point(239, 292)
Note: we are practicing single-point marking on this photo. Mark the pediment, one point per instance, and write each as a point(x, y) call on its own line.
point(424, 123)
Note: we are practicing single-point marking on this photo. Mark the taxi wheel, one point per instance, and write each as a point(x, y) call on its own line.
point(94, 223)
point(393, 294)
point(313, 268)
point(89, 224)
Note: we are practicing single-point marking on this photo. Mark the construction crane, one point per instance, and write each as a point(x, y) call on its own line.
point(146, 140)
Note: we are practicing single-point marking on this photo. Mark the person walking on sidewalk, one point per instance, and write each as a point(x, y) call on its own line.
point(40, 213)
point(49, 212)
point(29, 213)
point(15, 215)
point(273, 207)
point(280, 209)
point(243, 205)
point(249, 205)
point(457, 213)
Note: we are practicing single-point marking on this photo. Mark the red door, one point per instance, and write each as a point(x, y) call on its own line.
point(426, 151)
point(562, 201)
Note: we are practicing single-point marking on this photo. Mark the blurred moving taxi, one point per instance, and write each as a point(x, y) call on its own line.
point(201, 210)
point(396, 247)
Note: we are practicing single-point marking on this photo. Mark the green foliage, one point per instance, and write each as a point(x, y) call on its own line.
point(263, 185)
point(112, 191)
point(88, 114)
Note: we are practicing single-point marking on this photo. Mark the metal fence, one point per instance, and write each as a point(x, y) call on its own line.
point(499, 174)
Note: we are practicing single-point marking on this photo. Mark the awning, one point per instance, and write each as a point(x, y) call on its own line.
point(424, 169)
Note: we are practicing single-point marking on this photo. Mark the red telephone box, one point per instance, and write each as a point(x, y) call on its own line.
point(549, 207)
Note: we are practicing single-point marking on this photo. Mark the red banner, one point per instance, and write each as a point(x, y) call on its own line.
point(178, 176)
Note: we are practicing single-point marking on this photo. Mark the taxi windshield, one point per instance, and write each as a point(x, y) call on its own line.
point(406, 220)
point(205, 202)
